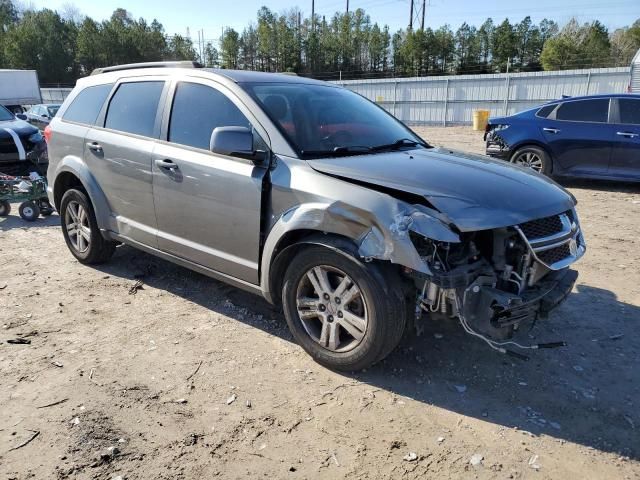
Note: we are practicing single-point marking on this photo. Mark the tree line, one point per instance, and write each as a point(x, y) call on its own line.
point(65, 45)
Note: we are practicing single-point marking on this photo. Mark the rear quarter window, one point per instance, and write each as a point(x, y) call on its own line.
point(596, 110)
point(86, 107)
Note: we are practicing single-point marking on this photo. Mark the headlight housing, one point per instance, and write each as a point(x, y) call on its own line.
point(36, 137)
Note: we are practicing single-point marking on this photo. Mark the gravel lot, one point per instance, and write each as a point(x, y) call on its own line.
point(190, 378)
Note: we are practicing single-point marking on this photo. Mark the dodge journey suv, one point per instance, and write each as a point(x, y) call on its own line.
point(315, 198)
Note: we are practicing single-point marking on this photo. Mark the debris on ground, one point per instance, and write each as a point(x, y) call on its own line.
point(476, 459)
point(135, 287)
point(410, 457)
point(231, 399)
point(19, 341)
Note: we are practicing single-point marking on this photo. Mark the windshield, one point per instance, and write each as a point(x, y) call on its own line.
point(53, 109)
point(5, 114)
point(321, 121)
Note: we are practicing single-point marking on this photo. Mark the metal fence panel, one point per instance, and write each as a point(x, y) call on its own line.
point(452, 99)
point(54, 95)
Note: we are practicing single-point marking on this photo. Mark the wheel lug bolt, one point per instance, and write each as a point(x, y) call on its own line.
point(326, 296)
point(322, 308)
point(339, 314)
point(330, 319)
point(338, 300)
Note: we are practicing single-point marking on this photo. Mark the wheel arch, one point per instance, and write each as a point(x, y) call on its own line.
point(532, 143)
point(73, 172)
point(291, 243)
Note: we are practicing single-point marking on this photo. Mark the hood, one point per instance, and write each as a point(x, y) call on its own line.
point(21, 127)
point(473, 191)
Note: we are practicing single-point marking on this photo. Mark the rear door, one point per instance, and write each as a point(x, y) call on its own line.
point(579, 137)
point(118, 153)
point(625, 157)
point(208, 205)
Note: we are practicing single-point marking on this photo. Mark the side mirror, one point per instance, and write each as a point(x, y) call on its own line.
point(21, 116)
point(235, 142)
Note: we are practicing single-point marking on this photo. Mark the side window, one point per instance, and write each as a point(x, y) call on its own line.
point(596, 110)
point(197, 110)
point(546, 110)
point(133, 107)
point(86, 107)
point(629, 111)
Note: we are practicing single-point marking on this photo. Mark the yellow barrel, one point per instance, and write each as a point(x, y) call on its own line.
point(480, 119)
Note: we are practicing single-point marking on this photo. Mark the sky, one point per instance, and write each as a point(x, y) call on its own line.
point(213, 15)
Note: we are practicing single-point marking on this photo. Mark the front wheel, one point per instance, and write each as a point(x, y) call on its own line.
point(80, 229)
point(5, 208)
point(344, 313)
point(534, 158)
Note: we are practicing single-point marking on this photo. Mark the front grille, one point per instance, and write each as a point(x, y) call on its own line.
point(8, 146)
point(554, 255)
point(543, 227)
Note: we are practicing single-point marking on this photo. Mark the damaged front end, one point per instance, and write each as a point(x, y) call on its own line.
point(495, 280)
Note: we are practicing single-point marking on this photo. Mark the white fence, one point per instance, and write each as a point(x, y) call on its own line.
point(449, 100)
point(54, 95)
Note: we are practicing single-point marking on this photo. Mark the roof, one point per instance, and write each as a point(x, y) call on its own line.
point(600, 95)
point(249, 76)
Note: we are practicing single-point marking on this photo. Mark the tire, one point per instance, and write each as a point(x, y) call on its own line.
point(311, 317)
point(5, 208)
point(534, 158)
point(82, 235)
point(45, 208)
point(29, 211)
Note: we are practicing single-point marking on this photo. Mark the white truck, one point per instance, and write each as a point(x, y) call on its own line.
point(19, 87)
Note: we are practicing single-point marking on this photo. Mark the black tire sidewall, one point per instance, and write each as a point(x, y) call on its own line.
point(96, 251)
point(5, 208)
point(546, 159)
point(370, 284)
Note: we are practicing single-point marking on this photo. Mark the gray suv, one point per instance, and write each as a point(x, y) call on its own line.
point(312, 196)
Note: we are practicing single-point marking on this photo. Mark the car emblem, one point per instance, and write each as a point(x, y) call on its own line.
point(573, 247)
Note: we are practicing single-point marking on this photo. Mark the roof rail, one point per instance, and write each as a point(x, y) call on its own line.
point(131, 66)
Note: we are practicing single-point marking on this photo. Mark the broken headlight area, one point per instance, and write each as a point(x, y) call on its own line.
point(494, 281)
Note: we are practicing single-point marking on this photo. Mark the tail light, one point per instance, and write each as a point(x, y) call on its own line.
point(47, 134)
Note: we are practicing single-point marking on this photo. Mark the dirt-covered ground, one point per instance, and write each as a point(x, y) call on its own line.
point(189, 378)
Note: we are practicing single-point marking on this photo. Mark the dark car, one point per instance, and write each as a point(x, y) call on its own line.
point(22, 146)
point(40, 115)
point(591, 137)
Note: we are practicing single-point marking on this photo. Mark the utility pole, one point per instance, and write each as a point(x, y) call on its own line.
point(411, 16)
point(347, 6)
point(424, 9)
point(313, 15)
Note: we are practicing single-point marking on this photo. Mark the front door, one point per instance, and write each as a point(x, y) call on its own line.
point(119, 155)
point(208, 205)
point(579, 137)
point(625, 158)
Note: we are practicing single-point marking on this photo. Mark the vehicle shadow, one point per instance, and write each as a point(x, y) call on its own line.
point(584, 393)
point(13, 220)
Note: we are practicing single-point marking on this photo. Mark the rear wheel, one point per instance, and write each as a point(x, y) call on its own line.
point(534, 158)
point(344, 313)
point(80, 229)
point(5, 208)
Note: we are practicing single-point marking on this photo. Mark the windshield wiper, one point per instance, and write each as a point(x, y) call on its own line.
point(398, 144)
point(341, 151)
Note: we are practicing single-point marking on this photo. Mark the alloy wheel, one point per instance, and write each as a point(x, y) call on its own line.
point(77, 225)
point(529, 159)
point(332, 308)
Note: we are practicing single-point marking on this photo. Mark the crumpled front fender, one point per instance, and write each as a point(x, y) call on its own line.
point(381, 235)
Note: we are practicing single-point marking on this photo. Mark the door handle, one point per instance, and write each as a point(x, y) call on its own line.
point(627, 134)
point(94, 146)
point(166, 164)
point(551, 130)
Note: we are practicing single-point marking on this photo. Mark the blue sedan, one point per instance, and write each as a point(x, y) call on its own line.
point(587, 137)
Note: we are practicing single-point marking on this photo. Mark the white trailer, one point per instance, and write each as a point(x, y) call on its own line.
point(19, 87)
